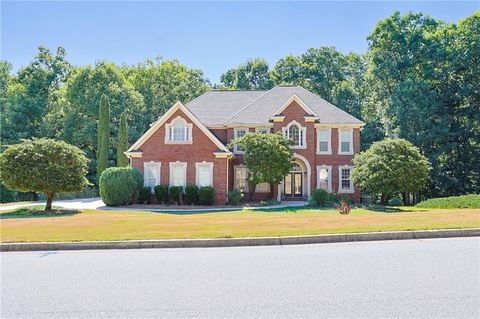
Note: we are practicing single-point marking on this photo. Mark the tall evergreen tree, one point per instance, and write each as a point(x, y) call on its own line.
point(122, 144)
point(103, 133)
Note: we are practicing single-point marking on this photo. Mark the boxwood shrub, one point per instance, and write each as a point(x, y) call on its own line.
point(234, 196)
point(120, 185)
point(144, 196)
point(161, 193)
point(191, 194)
point(176, 193)
point(206, 195)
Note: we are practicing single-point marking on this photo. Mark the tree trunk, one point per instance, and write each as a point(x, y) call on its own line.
point(48, 207)
point(272, 193)
point(382, 199)
point(251, 191)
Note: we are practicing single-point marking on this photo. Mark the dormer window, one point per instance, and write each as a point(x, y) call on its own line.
point(296, 133)
point(178, 132)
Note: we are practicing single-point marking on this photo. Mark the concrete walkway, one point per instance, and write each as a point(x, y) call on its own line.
point(97, 203)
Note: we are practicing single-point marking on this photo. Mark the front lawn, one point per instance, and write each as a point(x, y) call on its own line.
point(120, 225)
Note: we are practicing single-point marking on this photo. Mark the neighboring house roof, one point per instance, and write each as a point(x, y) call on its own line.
point(217, 108)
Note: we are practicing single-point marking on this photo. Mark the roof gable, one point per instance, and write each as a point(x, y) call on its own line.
point(162, 120)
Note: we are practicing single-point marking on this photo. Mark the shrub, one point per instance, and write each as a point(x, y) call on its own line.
point(176, 194)
point(161, 193)
point(235, 196)
point(319, 197)
point(191, 194)
point(120, 185)
point(463, 201)
point(395, 201)
point(6, 195)
point(144, 195)
point(206, 195)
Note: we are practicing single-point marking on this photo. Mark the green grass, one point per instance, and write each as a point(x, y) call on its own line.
point(464, 201)
point(22, 226)
point(36, 211)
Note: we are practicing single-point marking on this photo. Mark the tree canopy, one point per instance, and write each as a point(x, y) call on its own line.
point(418, 81)
point(391, 166)
point(267, 157)
point(44, 165)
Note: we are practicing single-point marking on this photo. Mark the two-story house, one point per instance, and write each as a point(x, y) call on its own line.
point(187, 145)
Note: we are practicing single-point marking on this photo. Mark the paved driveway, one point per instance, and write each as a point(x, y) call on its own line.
point(434, 278)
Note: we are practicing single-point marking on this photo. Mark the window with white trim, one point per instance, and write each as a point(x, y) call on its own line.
point(323, 141)
point(324, 177)
point(238, 132)
point(345, 179)
point(178, 174)
point(178, 131)
point(204, 174)
point(151, 174)
point(345, 141)
point(296, 133)
point(262, 130)
point(241, 178)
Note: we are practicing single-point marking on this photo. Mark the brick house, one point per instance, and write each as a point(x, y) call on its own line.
point(187, 145)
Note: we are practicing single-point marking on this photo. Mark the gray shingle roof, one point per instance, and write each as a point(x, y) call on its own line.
point(215, 108)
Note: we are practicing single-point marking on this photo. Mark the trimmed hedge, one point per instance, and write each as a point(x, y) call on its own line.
point(235, 196)
point(161, 193)
point(464, 201)
point(120, 185)
point(206, 195)
point(191, 194)
point(144, 196)
point(176, 194)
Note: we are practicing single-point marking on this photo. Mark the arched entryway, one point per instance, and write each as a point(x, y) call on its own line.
point(296, 184)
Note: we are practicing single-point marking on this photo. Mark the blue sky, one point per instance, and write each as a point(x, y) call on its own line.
point(211, 36)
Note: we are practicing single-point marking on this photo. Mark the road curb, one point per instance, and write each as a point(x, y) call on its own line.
point(236, 242)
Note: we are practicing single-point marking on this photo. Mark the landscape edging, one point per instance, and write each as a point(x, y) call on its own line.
point(236, 242)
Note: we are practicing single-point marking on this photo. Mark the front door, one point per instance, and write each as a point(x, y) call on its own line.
point(293, 185)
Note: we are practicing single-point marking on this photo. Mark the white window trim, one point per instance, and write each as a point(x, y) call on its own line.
point(329, 168)
point(206, 164)
point(168, 127)
point(262, 129)
point(350, 152)
point(235, 176)
point(329, 151)
point(157, 179)
point(351, 190)
point(303, 131)
point(235, 130)
point(180, 164)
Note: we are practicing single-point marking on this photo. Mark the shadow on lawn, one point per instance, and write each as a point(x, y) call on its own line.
point(36, 212)
point(385, 209)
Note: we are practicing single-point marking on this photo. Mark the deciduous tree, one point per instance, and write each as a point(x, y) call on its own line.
point(44, 165)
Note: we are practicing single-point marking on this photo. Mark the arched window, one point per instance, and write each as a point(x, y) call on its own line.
point(179, 131)
point(296, 133)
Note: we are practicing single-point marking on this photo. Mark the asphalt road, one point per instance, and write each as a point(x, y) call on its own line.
point(435, 278)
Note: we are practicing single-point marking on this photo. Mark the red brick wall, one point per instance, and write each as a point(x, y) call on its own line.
point(202, 148)
point(297, 113)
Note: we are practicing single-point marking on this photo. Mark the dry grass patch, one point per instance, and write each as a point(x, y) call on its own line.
point(122, 225)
